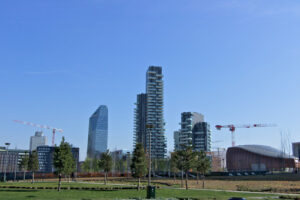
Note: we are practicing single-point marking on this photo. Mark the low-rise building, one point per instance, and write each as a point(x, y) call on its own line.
point(45, 157)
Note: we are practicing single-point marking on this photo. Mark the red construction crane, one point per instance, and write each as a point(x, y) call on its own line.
point(43, 127)
point(233, 127)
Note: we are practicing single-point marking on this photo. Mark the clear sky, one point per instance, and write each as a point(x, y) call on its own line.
point(234, 61)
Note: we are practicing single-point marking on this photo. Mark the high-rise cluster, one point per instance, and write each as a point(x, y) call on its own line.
point(149, 116)
point(194, 132)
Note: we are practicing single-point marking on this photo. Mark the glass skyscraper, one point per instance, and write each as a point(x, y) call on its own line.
point(98, 131)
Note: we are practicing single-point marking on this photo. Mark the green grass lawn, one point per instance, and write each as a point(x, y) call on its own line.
point(12, 194)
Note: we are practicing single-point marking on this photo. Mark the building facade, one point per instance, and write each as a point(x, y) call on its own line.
point(176, 135)
point(257, 158)
point(140, 115)
point(37, 140)
point(296, 149)
point(45, 157)
point(98, 132)
point(194, 132)
point(10, 160)
point(149, 112)
point(155, 112)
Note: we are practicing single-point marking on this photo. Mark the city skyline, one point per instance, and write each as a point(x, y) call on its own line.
point(235, 62)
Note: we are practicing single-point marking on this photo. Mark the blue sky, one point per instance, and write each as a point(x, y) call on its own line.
point(235, 62)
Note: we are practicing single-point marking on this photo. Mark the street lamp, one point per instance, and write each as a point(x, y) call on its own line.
point(149, 127)
point(7, 160)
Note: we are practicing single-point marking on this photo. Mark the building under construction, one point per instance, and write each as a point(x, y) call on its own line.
point(258, 158)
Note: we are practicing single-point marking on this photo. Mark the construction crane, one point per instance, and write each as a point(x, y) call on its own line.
point(54, 130)
point(233, 127)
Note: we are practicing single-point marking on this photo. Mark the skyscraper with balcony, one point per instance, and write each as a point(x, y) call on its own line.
point(149, 111)
point(140, 114)
point(98, 132)
point(194, 132)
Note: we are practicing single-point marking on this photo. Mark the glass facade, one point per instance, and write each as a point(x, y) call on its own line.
point(98, 132)
point(45, 157)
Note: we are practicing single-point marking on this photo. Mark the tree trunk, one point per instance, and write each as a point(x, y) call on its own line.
point(59, 182)
point(24, 174)
point(174, 177)
point(203, 182)
point(181, 178)
point(105, 178)
point(186, 181)
point(197, 178)
point(32, 181)
point(139, 184)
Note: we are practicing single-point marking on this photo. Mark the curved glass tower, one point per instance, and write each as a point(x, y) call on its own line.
point(98, 131)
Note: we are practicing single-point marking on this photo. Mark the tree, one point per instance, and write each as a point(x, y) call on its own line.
point(187, 158)
point(86, 165)
point(33, 163)
point(202, 166)
point(173, 162)
point(63, 161)
point(105, 163)
point(24, 164)
point(139, 163)
point(178, 162)
point(95, 165)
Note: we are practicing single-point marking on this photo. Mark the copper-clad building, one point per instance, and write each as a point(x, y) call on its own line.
point(257, 158)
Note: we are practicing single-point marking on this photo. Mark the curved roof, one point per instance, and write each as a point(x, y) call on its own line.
point(264, 150)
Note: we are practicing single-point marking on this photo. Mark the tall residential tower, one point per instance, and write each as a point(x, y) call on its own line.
point(151, 105)
point(98, 131)
point(194, 132)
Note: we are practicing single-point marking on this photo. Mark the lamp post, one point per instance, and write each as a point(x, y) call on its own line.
point(149, 126)
point(128, 163)
point(7, 160)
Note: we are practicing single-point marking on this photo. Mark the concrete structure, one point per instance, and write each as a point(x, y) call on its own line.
point(176, 140)
point(140, 115)
point(37, 140)
point(45, 157)
point(11, 159)
point(98, 132)
point(155, 112)
point(296, 149)
point(218, 160)
point(257, 158)
point(194, 132)
point(149, 111)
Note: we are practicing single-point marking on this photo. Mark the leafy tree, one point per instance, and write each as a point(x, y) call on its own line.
point(33, 163)
point(95, 165)
point(86, 166)
point(186, 160)
point(105, 163)
point(174, 165)
point(24, 164)
point(202, 166)
point(139, 163)
point(178, 162)
point(63, 160)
